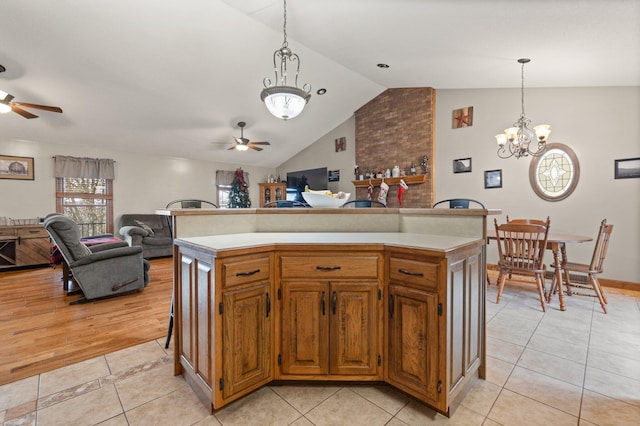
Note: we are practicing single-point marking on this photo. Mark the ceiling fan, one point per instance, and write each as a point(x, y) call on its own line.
point(242, 143)
point(6, 104)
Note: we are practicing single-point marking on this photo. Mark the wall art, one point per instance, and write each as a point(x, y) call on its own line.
point(20, 168)
point(462, 165)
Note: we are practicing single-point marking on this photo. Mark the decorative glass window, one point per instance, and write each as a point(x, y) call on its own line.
point(554, 175)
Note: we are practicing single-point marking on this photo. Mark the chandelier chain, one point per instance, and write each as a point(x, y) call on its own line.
point(522, 88)
point(284, 26)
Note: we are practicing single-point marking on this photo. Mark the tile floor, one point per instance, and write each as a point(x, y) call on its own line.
point(578, 367)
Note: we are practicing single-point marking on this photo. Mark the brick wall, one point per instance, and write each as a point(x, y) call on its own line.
point(397, 128)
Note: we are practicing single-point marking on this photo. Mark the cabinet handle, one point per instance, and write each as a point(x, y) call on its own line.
point(327, 268)
point(268, 305)
point(391, 305)
point(334, 301)
point(323, 303)
point(413, 274)
point(248, 273)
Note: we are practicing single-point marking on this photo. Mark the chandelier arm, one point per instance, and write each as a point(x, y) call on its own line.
point(502, 153)
point(542, 147)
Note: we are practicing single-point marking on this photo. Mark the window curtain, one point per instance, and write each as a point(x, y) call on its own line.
point(88, 168)
point(225, 177)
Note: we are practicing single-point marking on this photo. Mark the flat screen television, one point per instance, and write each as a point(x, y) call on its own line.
point(296, 181)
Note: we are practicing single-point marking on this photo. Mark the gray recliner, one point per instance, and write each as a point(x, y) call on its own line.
point(100, 271)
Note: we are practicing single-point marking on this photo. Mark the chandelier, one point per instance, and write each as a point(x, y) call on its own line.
point(516, 140)
point(284, 101)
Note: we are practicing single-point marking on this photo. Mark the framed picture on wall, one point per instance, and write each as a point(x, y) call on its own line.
point(627, 168)
point(20, 168)
point(462, 165)
point(493, 179)
point(341, 144)
point(462, 117)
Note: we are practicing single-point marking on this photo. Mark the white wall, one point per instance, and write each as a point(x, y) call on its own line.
point(323, 154)
point(142, 183)
point(599, 124)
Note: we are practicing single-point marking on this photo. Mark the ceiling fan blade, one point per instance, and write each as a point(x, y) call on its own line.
point(233, 147)
point(254, 147)
point(260, 143)
point(36, 106)
point(25, 114)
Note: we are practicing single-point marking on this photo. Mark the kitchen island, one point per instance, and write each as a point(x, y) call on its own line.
point(403, 306)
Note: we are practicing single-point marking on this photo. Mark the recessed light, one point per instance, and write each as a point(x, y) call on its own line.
point(321, 91)
point(383, 66)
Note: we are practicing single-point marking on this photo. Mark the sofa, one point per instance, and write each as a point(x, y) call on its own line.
point(150, 231)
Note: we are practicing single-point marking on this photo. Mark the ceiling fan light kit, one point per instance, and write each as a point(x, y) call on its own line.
point(4, 102)
point(284, 101)
point(243, 144)
point(515, 141)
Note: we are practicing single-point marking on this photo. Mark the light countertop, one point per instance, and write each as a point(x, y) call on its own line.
point(260, 239)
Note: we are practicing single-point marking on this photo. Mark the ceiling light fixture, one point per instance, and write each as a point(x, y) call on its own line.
point(515, 140)
point(284, 101)
point(5, 98)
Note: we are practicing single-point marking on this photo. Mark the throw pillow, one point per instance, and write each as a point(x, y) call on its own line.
point(145, 227)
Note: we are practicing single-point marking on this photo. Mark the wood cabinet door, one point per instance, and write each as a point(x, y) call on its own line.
point(33, 251)
point(413, 342)
point(353, 328)
point(305, 328)
point(246, 325)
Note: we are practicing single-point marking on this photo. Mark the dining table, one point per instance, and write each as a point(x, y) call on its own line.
point(557, 243)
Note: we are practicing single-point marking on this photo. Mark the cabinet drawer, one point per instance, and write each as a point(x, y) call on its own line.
point(7, 232)
point(238, 272)
point(36, 232)
point(329, 267)
point(421, 274)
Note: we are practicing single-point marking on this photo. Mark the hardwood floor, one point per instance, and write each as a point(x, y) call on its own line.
point(40, 331)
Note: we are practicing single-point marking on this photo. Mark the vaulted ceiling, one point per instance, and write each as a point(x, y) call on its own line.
point(173, 77)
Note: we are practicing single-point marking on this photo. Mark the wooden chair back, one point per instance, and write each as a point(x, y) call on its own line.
point(529, 221)
point(521, 246)
point(600, 249)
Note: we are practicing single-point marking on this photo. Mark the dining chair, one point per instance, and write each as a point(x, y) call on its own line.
point(362, 204)
point(528, 221)
point(284, 204)
point(521, 248)
point(192, 204)
point(458, 203)
point(589, 271)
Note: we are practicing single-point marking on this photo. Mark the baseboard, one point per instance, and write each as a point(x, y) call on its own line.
point(604, 282)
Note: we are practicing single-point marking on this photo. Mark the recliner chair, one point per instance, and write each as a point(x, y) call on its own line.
point(100, 271)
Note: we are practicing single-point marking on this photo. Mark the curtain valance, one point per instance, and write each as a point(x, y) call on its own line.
point(88, 168)
point(225, 177)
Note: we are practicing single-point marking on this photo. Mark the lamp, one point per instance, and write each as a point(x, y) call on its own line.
point(515, 140)
point(284, 101)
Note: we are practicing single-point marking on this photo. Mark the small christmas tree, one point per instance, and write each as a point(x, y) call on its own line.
point(239, 195)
